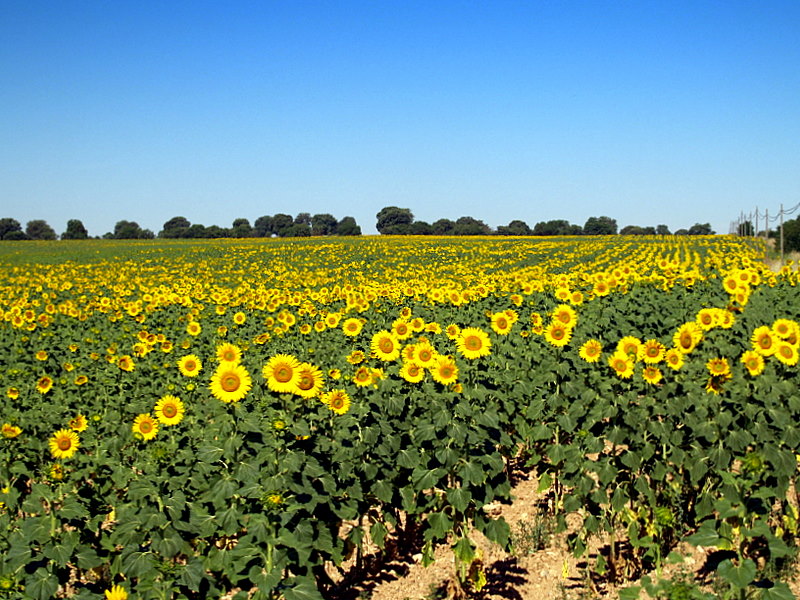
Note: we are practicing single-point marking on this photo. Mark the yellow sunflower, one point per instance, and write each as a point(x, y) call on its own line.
point(652, 352)
point(145, 426)
point(473, 343)
point(674, 358)
point(445, 371)
point(64, 443)
point(239, 318)
point(786, 353)
point(356, 357)
point(784, 328)
point(452, 331)
point(424, 354)
point(190, 365)
point(126, 363)
point(282, 373)
point(565, 314)
point(630, 345)
point(337, 400)
point(763, 341)
point(622, 363)
point(44, 385)
point(652, 374)
point(385, 346)
point(116, 592)
point(718, 367)
point(501, 324)
point(557, 334)
point(78, 423)
point(706, 319)
point(687, 337)
point(753, 362)
point(169, 410)
point(412, 372)
point(591, 351)
point(193, 328)
point(309, 380)
point(352, 326)
point(10, 431)
point(229, 353)
point(363, 377)
point(230, 383)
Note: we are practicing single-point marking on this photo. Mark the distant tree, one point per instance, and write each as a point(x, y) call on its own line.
point(241, 228)
point(10, 227)
point(420, 228)
point(662, 230)
point(443, 227)
point(196, 231)
point(631, 230)
point(75, 231)
point(393, 220)
point(128, 230)
point(745, 229)
point(556, 227)
point(297, 230)
point(515, 227)
point(682, 232)
point(176, 227)
point(303, 218)
point(348, 226)
point(281, 224)
point(600, 226)
point(263, 227)
point(38, 229)
point(215, 231)
point(323, 224)
point(791, 235)
point(701, 229)
point(470, 226)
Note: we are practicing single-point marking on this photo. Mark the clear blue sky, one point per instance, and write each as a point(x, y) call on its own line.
point(650, 112)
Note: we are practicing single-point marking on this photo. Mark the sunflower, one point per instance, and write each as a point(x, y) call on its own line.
point(352, 326)
point(44, 385)
point(169, 410)
point(622, 363)
point(565, 314)
point(576, 298)
point(385, 346)
point(786, 353)
point(193, 328)
point(117, 592)
point(230, 383)
point(81, 380)
point(652, 374)
point(332, 320)
point(445, 371)
point(473, 343)
point(763, 341)
point(424, 354)
point(452, 331)
point(706, 319)
point(309, 380)
point(557, 334)
point(687, 337)
point(281, 373)
point(674, 358)
point(239, 318)
point(190, 365)
point(629, 345)
point(401, 329)
point(337, 400)
point(41, 355)
point(412, 372)
point(126, 363)
point(753, 362)
point(600, 289)
point(229, 353)
point(12, 393)
point(784, 328)
point(591, 351)
point(10, 431)
point(714, 385)
point(78, 423)
point(718, 367)
point(652, 352)
point(363, 377)
point(501, 324)
point(64, 443)
point(145, 426)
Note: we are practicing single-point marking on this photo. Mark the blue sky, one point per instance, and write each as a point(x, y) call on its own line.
point(646, 111)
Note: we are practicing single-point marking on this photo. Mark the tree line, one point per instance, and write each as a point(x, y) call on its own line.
point(400, 221)
point(279, 225)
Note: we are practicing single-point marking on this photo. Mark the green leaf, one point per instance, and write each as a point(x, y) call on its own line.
point(440, 525)
point(139, 564)
point(459, 498)
point(302, 589)
point(779, 591)
point(740, 576)
point(630, 593)
point(464, 550)
point(706, 535)
point(41, 584)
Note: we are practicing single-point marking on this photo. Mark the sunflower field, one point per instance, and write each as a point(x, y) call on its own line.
point(253, 418)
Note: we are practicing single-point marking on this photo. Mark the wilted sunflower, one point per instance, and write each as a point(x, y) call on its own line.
point(591, 351)
point(230, 383)
point(169, 410)
point(337, 400)
point(473, 343)
point(189, 365)
point(64, 443)
point(309, 380)
point(282, 373)
point(145, 426)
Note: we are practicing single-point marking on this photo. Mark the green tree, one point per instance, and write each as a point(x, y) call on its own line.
point(323, 224)
point(281, 224)
point(701, 229)
point(662, 230)
point(556, 227)
point(348, 226)
point(38, 229)
point(470, 226)
point(443, 227)
point(264, 226)
point(745, 229)
point(791, 235)
point(75, 230)
point(600, 226)
point(241, 228)
point(393, 220)
point(176, 227)
point(632, 230)
point(10, 229)
point(420, 228)
point(215, 231)
point(515, 227)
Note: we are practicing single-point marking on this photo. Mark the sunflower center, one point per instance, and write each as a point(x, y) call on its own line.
point(473, 342)
point(558, 333)
point(145, 427)
point(64, 443)
point(765, 342)
point(386, 345)
point(190, 365)
point(337, 402)
point(502, 323)
point(230, 383)
point(169, 410)
point(283, 373)
point(305, 383)
point(686, 340)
